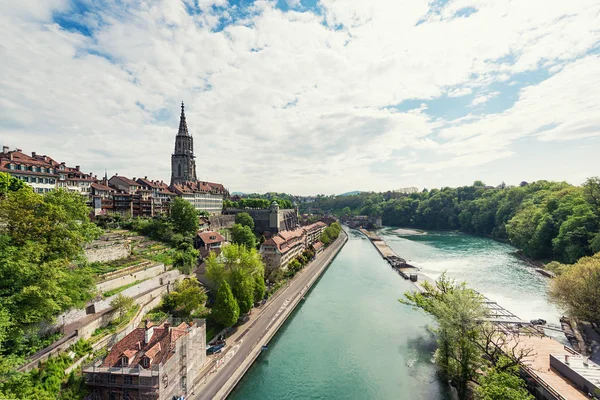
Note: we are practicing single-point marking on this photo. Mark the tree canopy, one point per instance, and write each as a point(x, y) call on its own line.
point(243, 270)
point(244, 219)
point(225, 310)
point(41, 240)
point(576, 289)
point(186, 297)
point(243, 235)
point(547, 220)
point(184, 217)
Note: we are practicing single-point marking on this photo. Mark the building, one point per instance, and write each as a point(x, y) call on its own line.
point(124, 184)
point(160, 193)
point(208, 241)
point(204, 196)
point(271, 220)
point(183, 163)
point(154, 362)
point(281, 248)
point(36, 171)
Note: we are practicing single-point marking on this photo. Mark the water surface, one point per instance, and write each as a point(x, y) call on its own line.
point(351, 339)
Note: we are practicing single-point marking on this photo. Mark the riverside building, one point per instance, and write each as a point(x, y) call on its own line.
point(153, 362)
point(281, 248)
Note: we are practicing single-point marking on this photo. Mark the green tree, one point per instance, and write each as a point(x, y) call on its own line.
point(10, 183)
point(458, 312)
point(259, 287)
point(122, 304)
point(225, 310)
point(502, 384)
point(576, 290)
point(184, 217)
point(58, 221)
point(245, 219)
point(186, 297)
point(241, 267)
point(186, 258)
point(243, 235)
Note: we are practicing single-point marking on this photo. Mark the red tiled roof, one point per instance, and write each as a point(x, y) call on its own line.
point(99, 186)
point(199, 186)
point(207, 237)
point(133, 346)
point(317, 245)
point(126, 180)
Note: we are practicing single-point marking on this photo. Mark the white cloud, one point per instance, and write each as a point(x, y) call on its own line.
point(483, 98)
point(284, 102)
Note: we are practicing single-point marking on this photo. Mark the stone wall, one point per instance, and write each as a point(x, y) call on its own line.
point(221, 221)
point(102, 251)
point(127, 279)
point(288, 219)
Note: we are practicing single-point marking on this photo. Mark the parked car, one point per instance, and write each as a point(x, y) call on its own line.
point(214, 349)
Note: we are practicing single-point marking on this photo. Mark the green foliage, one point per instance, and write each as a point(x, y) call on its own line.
point(244, 219)
point(186, 297)
point(186, 258)
point(241, 268)
point(40, 239)
point(225, 310)
point(547, 220)
point(259, 288)
point(8, 183)
point(184, 217)
point(502, 384)
point(576, 290)
point(243, 235)
point(122, 304)
point(257, 201)
point(331, 233)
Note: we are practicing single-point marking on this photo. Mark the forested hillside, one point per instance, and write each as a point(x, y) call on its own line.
point(547, 220)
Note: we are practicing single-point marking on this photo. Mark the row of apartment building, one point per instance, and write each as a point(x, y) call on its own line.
point(281, 248)
point(117, 195)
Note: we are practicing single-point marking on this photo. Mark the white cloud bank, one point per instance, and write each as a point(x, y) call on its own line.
point(280, 101)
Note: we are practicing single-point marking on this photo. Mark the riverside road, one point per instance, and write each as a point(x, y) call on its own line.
point(220, 379)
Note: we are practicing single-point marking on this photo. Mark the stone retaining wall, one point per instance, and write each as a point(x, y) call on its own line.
point(127, 279)
point(100, 251)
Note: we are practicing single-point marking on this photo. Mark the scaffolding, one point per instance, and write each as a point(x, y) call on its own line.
point(168, 378)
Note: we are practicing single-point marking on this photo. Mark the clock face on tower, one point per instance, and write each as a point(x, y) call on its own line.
point(165, 380)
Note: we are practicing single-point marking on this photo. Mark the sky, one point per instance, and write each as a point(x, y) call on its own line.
point(308, 96)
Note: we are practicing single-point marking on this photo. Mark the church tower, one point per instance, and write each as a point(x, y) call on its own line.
point(183, 164)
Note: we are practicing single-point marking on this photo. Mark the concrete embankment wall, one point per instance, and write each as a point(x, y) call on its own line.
point(127, 279)
point(241, 371)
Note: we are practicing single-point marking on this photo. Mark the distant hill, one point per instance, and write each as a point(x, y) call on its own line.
point(350, 193)
point(238, 194)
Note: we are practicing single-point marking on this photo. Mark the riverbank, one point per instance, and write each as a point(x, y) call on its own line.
point(243, 348)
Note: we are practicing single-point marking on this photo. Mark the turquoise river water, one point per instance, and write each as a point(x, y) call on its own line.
point(351, 339)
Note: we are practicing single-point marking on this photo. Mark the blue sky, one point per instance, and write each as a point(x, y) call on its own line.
point(308, 96)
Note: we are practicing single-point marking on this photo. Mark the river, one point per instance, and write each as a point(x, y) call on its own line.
point(351, 339)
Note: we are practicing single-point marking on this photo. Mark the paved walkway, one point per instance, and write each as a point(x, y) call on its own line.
point(223, 371)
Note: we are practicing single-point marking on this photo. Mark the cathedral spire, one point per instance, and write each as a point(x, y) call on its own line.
point(183, 129)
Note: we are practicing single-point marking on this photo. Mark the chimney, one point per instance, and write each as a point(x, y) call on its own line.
point(77, 167)
point(5, 149)
point(167, 326)
point(19, 150)
point(134, 178)
point(149, 332)
point(146, 177)
point(33, 154)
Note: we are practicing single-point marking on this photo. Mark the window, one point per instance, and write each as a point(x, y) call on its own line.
point(179, 170)
point(124, 361)
point(128, 380)
point(112, 378)
point(146, 362)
